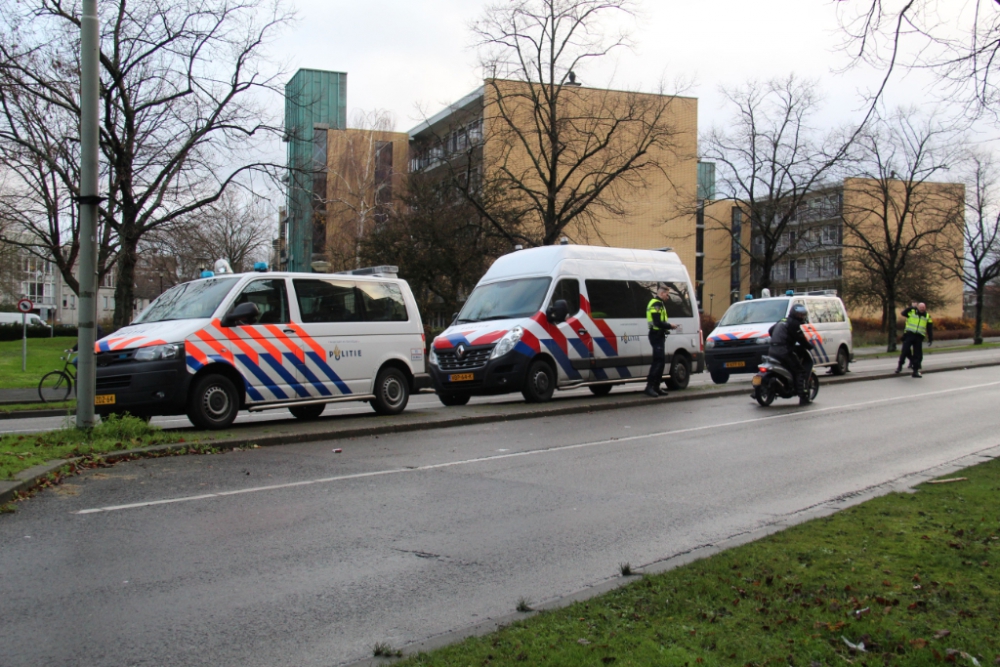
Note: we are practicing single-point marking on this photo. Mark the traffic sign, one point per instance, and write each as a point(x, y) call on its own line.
point(25, 305)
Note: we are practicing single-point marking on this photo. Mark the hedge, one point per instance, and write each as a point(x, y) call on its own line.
point(13, 331)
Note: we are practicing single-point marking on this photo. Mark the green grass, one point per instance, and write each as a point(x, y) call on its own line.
point(20, 452)
point(68, 406)
point(43, 356)
point(912, 577)
point(933, 349)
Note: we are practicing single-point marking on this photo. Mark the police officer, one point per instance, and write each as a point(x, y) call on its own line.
point(787, 338)
point(656, 319)
point(919, 325)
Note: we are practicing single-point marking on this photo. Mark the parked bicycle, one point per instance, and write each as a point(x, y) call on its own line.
point(57, 385)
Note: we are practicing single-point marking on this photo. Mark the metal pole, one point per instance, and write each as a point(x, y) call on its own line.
point(89, 200)
point(24, 342)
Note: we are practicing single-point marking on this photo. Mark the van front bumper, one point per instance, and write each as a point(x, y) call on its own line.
point(143, 387)
point(498, 376)
point(736, 359)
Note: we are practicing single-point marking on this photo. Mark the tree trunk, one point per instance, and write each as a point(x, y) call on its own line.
point(890, 319)
point(125, 282)
point(977, 336)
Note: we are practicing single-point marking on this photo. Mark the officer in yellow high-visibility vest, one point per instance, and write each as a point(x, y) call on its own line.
point(919, 325)
point(656, 318)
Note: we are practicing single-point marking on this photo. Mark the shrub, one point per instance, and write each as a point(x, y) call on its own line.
point(707, 323)
point(13, 331)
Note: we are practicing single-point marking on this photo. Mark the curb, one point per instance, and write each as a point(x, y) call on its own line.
point(28, 479)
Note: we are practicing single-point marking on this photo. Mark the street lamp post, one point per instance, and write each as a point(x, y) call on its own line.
point(711, 308)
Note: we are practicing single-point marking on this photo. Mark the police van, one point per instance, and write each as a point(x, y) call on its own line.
point(211, 347)
point(741, 337)
point(567, 316)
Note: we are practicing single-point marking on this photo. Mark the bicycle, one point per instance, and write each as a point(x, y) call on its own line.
point(57, 385)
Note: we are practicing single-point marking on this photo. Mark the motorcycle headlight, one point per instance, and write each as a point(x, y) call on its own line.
point(156, 352)
point(432, 357)
point(507, 343)
point(709, 344)
point(763, 340)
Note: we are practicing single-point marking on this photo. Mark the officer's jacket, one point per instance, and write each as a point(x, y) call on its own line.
point(656, 316)
point(920, 324)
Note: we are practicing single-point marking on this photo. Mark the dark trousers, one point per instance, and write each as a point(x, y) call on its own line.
point(799, 364)
point(658, 341)
point(913, 348)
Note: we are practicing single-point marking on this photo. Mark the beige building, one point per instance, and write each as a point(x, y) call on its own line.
point(822, 245)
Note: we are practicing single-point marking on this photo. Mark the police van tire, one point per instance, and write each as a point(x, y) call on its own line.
point(719, 375)
point(600, 389)
point(539, 383)
point(307, 412)
point(680, 372)
point(214, 402)
point(454, 398)
point(392, 391)
point(843, 361)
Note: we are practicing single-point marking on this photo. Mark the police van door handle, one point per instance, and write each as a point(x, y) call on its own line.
point(291, 331)
point(581, 332)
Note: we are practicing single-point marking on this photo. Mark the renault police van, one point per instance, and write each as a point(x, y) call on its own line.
point(211, 347)
point(741, 338)
point(560, 317)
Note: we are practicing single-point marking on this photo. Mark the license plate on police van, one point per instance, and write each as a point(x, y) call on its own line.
point(735, 364)
point(461, 377)
point(104, 399)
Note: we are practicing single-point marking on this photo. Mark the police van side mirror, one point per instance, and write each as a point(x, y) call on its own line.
point(244, 313)
point(557, 312)
point(454, 317)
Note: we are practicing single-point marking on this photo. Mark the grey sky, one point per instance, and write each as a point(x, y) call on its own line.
point(403, 53)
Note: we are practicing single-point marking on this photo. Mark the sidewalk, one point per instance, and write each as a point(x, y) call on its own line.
point(11, 396)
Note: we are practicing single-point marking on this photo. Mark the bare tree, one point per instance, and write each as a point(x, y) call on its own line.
point(770, 160)
point(959, 43)
point(558, 157)
point(977, 264)
point(896, 214)
point(181, 101)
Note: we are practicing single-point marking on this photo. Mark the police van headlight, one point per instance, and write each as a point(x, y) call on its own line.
point(507, 343)
point(156, 352)
point(763, 340)
point(709, 344)
point(432, 357)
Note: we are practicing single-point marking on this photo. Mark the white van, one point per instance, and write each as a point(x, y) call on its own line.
point(741, 337)
point(211, 347)
point(560, 317)
point(15, 318)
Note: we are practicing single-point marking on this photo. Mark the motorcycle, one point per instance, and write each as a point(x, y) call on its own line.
point(774, 380)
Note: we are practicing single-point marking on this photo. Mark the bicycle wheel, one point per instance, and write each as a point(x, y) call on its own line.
point(55, 386)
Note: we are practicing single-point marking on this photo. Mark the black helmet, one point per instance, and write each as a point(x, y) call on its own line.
point(799, 312)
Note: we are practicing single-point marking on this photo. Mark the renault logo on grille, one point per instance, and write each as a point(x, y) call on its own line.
point(460, 351)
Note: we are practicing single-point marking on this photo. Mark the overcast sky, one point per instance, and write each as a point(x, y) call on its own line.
point(407, 55)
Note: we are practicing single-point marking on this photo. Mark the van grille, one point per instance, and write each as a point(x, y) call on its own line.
point(114, 382)
point(475, 357)
point(735, 343)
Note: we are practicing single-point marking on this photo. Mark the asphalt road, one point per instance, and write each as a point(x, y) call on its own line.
point(297, 555)
point(429, 401)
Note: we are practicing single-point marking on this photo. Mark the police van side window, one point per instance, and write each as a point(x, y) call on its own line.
point(271, 299)
point(678, 302)
point(612, 299)
point(383, 302)
point(328, 301)
point(567, 289)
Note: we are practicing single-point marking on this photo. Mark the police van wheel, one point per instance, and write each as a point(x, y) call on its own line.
point(214, 402)
point(306, 412)
point(539, 383)
point(392, 392)
point(719, 376)
point(843, 361)
point(600, 389)
point(454, 398)
point(680, 372)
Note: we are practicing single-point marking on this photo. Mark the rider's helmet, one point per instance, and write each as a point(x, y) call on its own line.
point(799, 312)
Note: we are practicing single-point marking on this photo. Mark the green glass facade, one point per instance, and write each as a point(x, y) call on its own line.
point(706, 181)
point(315, 101)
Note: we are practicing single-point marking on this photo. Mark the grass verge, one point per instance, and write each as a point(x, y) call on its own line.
point(43, 356)
point(20, 452)
point(68, 406)
point(933, 349)
point(905, 579)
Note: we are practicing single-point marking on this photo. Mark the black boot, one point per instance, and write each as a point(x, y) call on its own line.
point(651, 392)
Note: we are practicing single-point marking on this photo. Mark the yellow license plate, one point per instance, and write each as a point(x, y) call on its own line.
point(461, 377)
point(104, 399)
point(756, 381)
point(735, 364)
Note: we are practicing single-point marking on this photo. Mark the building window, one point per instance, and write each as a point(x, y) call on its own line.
point(792, 274)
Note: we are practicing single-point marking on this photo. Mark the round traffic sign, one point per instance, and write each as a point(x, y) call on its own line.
point(25, 305)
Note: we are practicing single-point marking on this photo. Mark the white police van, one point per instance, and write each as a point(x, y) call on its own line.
point(567, 316)
point(741, 337)
point(210, 347)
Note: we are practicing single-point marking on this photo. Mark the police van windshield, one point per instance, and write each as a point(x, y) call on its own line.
point(505, 299)
point(754, 312)
point(188, 301)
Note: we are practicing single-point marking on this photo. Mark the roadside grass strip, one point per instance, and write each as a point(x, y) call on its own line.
point(43, 356)
point(68, 406)
point(20, 452)
point(904, 579)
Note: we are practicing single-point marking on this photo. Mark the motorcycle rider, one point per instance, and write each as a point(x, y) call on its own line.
point(790, 346)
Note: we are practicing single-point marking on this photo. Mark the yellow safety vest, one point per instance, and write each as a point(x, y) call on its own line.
point(917, 323)
point(655, 305)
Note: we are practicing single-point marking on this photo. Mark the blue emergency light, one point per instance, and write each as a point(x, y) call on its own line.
point(789, 292)
point(207, 274)
point(748, 297)
point(260, 267)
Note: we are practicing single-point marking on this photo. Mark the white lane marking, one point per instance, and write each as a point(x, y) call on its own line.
point(532, 452)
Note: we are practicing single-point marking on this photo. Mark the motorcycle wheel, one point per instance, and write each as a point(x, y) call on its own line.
point(813, 389)
point(764, 394)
